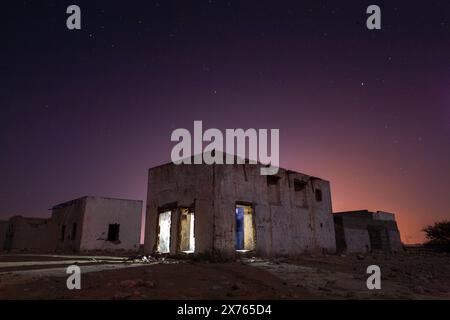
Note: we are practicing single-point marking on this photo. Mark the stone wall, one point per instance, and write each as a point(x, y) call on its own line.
point(363, 231)
point(290, 216)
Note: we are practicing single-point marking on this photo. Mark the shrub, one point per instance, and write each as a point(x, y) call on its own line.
point(438, 236)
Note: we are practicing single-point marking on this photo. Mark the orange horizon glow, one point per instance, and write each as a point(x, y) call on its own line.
point(363, 187)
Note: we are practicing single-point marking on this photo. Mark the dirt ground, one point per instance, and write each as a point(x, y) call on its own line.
point(416, 274)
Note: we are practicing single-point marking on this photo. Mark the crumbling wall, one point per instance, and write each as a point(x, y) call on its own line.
point(185, 186)
point(353, 231)
point(357, 240)
point(286, 227)
point(392, 229)
point(65, 216)
point(29, 234)
point(282, 226)
point(100, 213)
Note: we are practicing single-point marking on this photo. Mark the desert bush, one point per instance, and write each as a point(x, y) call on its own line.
point(438, 236)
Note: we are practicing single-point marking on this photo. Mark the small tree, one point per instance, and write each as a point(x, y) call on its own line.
point(438, 236)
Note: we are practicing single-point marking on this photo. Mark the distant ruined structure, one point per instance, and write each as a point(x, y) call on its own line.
point(365, 231)
point(97, 223)
point(30, 234)
point(80, 225)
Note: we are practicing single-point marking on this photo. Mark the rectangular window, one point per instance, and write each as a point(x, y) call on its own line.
point(273, 185)
point(318, 194)
point(113, 232)
point(300, 197)
point(299, 185)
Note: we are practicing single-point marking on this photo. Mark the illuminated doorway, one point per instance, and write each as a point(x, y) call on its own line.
point(187, 234)
point(245, 231)
point(164, 222)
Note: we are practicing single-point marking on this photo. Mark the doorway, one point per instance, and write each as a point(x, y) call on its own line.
point(187, 232)
point(164, 223)
point(245, 231)
point(378, 237)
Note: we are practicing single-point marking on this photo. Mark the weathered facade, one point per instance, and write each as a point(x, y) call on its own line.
point(84, 224)
point(96, 223)
point(218, 209)
point(27, 234)
point(365, 231)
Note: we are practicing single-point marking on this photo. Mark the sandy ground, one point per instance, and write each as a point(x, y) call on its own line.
point(416, 274)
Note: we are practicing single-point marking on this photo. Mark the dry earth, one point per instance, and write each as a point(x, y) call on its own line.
point(416, 274)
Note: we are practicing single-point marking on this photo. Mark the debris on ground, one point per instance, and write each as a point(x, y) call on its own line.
point(408, 275)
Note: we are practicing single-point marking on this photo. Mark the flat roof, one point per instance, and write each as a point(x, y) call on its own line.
point(71, 202)
point(235, 157)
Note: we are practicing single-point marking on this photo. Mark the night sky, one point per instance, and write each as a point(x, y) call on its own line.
point(87, 112)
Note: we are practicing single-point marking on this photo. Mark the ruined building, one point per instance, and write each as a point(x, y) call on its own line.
point(95, 223)
point(84, 224)
point(27, 234)
point(220, 209)
point(364, 231)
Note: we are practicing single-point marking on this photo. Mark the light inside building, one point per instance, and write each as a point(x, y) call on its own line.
point(187, 235)
point(245, 232)
point(165, 219)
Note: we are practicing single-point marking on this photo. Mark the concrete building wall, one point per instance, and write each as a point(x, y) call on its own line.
point(100, 213)
point(384, 216)
point(187, 186)
point(29, 234)
point(357, 240)
point(78, 225)
point(354, 230)
point(67, 217)
point(83, 224)
point(286, 221)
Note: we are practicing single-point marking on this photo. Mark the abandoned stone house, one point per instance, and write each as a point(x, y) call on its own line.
point(84, 224)
point(26, 234)
point(220, 209)
point(95, 223)
point(365, 231)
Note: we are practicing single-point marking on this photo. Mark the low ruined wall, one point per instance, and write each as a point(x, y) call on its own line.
point(357, 240)
point(65, 217)
point(353, 236)
point(100, 213)
point(29, 235)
